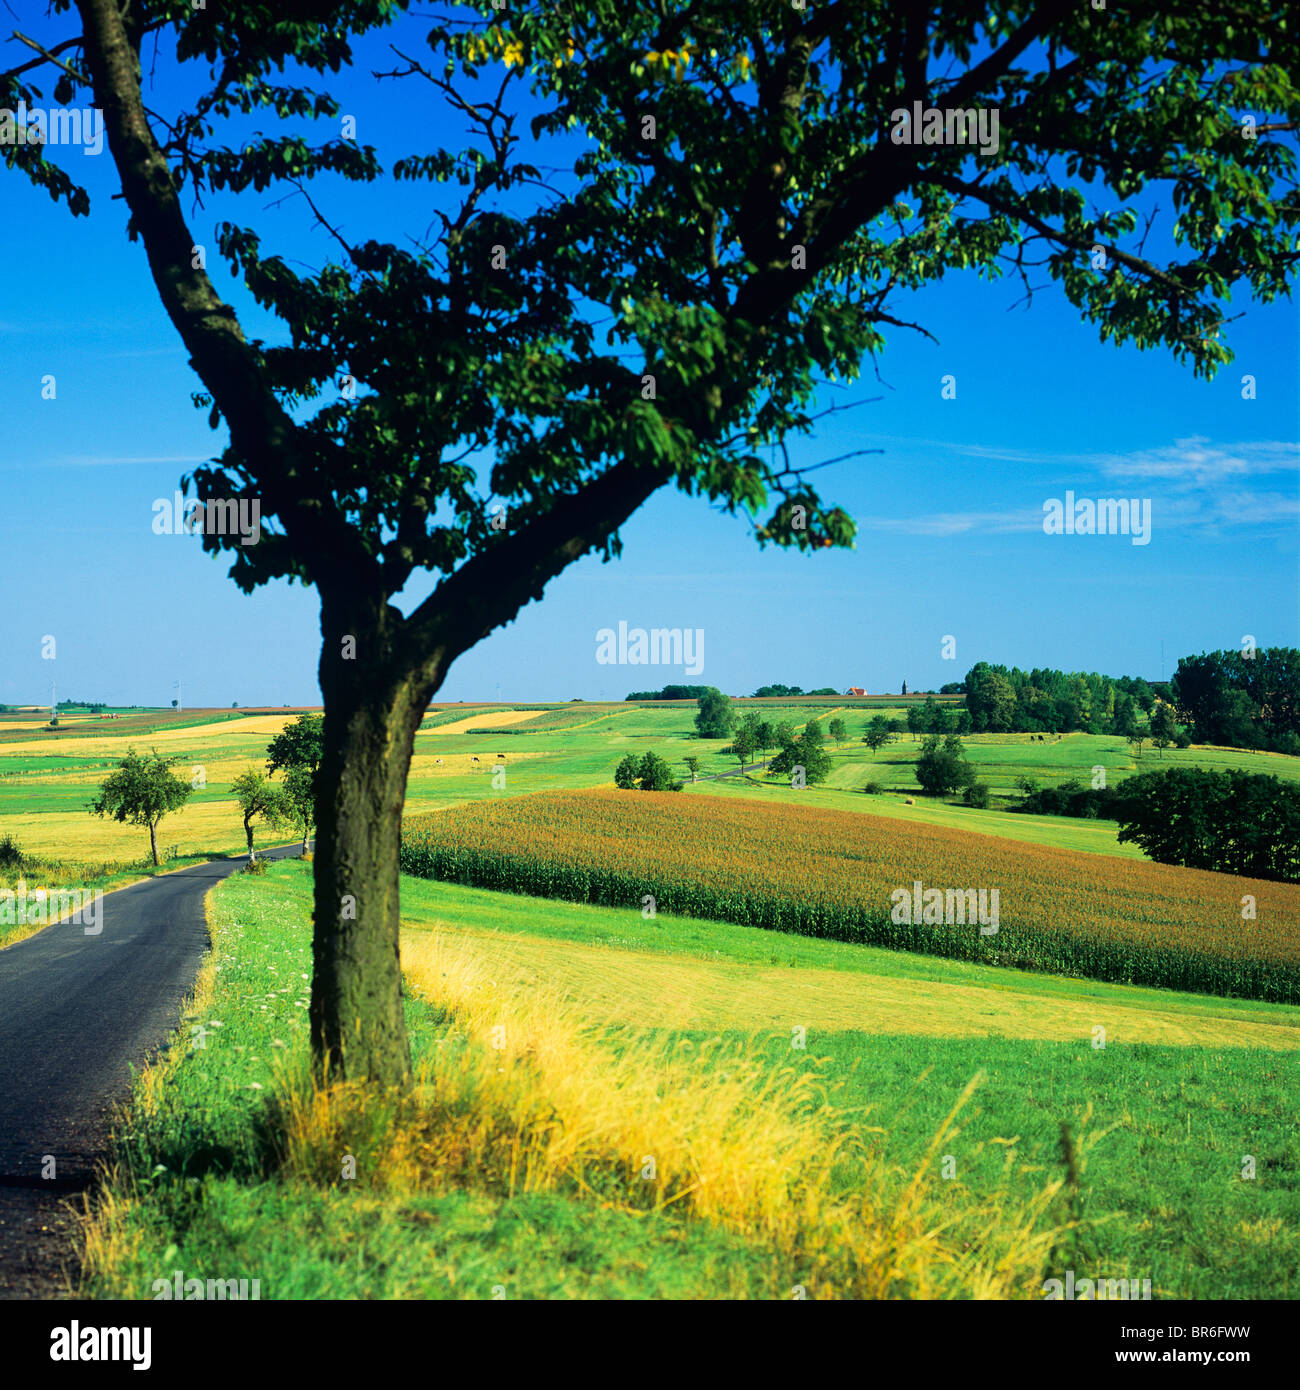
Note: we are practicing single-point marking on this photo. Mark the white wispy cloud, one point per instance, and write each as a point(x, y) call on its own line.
point(1193, 482)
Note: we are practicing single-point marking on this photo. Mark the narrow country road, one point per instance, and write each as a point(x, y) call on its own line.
point(77, 1013)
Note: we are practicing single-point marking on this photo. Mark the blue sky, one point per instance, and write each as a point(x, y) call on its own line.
point(950, 512)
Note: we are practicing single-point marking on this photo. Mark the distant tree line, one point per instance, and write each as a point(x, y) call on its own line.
point(767, 692)
point(693, 692)
point(1003, 699)
point(1242, 700)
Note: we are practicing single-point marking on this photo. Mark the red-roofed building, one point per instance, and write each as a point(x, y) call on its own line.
point(855, 690)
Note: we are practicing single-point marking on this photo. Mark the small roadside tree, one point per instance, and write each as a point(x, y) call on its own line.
point(258, 798)
point(299, 790)
point(838, 730)
point(693, 767)
point(141, 792)
point(300, 744)
point(743, 745)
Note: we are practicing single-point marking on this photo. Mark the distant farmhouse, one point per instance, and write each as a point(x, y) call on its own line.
point(855, 690)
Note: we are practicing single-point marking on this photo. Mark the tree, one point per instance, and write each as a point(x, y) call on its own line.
point(990, 698)
point(141, 792)
point(693, 767)
point(656, 775)
point(1135, 742)
point(1163, 727)
point(942, 767)
point(298, 748)
point(740, 264)
point(299, 810)
point(743, 745)
point(803, 757)
point(258, 798)
point(878, 733)
point(1233, 822)
point(838, 730)
point(765, 735)
point(300, 744)
point(716, 717)
point(1125, 723)
point(650, 773)
point(752, 722)
point(915, 720)
point(812, 733)
point(782, 734)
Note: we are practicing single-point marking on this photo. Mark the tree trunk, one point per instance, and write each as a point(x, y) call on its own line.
point(153, 841)
point(372, 710)
point(248, 830)
point(306, 836)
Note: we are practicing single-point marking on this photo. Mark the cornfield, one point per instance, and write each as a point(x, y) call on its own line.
point(831, 874)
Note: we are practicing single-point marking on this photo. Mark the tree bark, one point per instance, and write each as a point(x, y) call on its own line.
point(153, 841)
point(248, 830)
point(373, 708)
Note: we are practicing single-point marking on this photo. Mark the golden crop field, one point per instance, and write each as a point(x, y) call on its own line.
point(832, 874)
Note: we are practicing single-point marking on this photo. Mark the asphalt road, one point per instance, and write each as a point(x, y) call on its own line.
point(77, 1013)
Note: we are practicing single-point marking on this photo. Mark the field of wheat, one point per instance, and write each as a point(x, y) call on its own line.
point(837, 875)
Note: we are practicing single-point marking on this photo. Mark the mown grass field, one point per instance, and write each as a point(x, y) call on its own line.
point(689, 1028)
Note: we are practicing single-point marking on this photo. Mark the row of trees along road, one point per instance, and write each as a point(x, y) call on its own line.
point(143, 788)
point(738, 223)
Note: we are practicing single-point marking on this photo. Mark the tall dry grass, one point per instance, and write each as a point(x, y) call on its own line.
point(522, 1096)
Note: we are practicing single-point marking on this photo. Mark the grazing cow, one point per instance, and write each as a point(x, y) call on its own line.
point(437, 762)
point(473, 760)
point(501, 757)
point(909, 801)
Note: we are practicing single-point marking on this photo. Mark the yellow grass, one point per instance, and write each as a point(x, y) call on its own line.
point(650, 990)
point(80, 838)
point(524, 1096)
point(115, 742)
point(495, 719)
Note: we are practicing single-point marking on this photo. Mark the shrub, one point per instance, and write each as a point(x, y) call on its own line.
point(873, 789)
point(11, 856)
point(977, 794)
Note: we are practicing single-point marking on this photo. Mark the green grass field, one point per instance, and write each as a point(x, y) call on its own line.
point(220, 1176)
point(1168, 1111)
point(47, 779)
